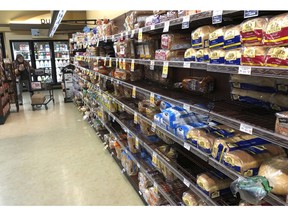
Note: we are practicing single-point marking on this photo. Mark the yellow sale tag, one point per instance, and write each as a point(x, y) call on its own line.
point(152, 98)
point(137, 143)
point(110, 62)
point(134, 92)
point(140, 35)
point(124, 64)
point(165, 70)
point(132, 64)
point(135, 118)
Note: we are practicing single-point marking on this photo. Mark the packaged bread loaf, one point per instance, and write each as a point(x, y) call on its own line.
point(190, 54)
point(202, 55)
point(277, 57)
point(190, 199)
point(276, 172)
point(214, 184)
point(276, 31)
point(199, 84)
point(248, 160)
point(167, 55)
point(216, 38)
point(281, 125)
point(182, 130)
point(217, 56)
point(233, 57)
point(253, 56)
point(232, 37)
point(175, 41)
point(131, 143)
point(252, 31)
point(200, 37)
point(122, 74)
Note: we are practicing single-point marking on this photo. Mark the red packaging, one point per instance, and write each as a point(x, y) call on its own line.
point(277, 57)
point(253, 56)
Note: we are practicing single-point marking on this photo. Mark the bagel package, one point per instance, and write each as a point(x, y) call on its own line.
point(253, 56)
point(200, 37)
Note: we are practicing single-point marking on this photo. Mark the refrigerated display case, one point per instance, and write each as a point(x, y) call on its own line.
point(61, 52)
point(24, 48)
point(42, 54)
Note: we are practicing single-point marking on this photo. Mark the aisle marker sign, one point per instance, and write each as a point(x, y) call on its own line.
point(217, 16)
point(152, 96)
point(140, 35)
point(246, 128)
point(132, 65)
point(110, 62)
point(185, 22)
point(166, 26)
point(250, 13)
point(152, 63)
point(186, 182)
point(135, 118)
point(137, 143)
point(165, 69)
point(186, 64)
point(187, 146)
point(244, 70)
point(134, 92)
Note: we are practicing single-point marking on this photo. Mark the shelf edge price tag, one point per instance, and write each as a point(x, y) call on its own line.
point(110, 62)
point(246, 128)
point(156, 187)
point(135, 118)
point(105, 61)
point(217, 16)
point(117, 63)
point(152, 27)
point(165, 69)
point(187, 146)
point(134, 92)
point(244, 70)
point(186, 182)
point(187, 64)
point(124, 64)
point(250, 13)
point(137, 143)
point(140, 35)
point(138, 165)
point(132, 64)
point(153, 128)
point(166, 26)
point(132, 34)
point(186, 107)
point(97, 43)
point(185, 22)
point(152, 63)
point(123, 106)
point(113, 38)
point(152, 97)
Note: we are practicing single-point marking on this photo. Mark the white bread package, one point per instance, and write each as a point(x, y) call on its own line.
point(233, 57)
point(276, 172)
point(216, 38)
point(200, 37)
point(217, 56)
point(277, 57)
point(190, 199)
point(190, 54)
point(214, 184)
point(253, 56)
point(175, 41)
point(182, 130)
point(202, 55)
point(232, 37)
point(281, 125)
point(247, 161)
point(276, 31)
point(252, 31)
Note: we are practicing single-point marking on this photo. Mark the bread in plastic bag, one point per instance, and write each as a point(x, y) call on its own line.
point(277, 57)
point(233, 57)
point(253, 56)
point(175, 41)
point(216, 38)
point(217, 56)
point(190, 54)
point(281, 125)
point(199, 84)
point(200, 37)
point(190, 199)
point(232, 37)
point(202, 55)
point(275, 171)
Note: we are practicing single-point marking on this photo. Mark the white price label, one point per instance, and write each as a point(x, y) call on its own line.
point(217, 16)
point(123, 106)
point(132, 34)
point(165, 69)
point(153, 128)
point(123, 171)
point(166, 26)
point(134, 92)
point(152, 27)
point(246, 128)
point(138, 165)
point(140, 35)
point(185, 22)
point(122, 36)
point(113, 119)
point(140, 193)
point(135, 118)
point(244, 70)
point(186, 107)
point(186, 182)
point(156, 187)
point(124, 64)
point(112, 81)
point(152, 64)
point(187, 64)
point(113, 38)
point(137, 143)
point(97, 44)
point(110, 62)
point(187, 146)
point(132, 64)
point(217, 12)
point(126, 34)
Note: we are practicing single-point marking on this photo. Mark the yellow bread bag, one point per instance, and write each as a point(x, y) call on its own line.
point(200, 37)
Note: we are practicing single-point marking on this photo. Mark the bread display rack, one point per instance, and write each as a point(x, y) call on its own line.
point(231, 113)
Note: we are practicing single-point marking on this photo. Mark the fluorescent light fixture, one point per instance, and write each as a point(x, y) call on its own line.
point(57, 22)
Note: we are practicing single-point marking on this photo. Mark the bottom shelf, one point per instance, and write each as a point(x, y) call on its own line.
point(4, 118)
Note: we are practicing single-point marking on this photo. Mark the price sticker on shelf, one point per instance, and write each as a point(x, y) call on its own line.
point(140, 35)
point(97, 43)
point(105, 39)
point(152, 98)
point(105, 61)
point(187, 146)
point(110, 62)
point(154, 157)
point(138, 165)
point(123, 106)
point(155, 187)
point(123, 171)
point(186, 182)
point(132, 65)
point(165, 69)
point(217, 16)
point(113, 119)
point(112, 80)
point(185, 22)
point(117, 63)
point(113, 38)
point(137, 143)
point(246, 128)
point(152, 27)
point(244, 70)
point(117, 82)
point(132, 34)
point(152, 64)
point(186, 107)
point(124, 64)
point(140, 193)
point(153, 128)
point(134, 92)
point(166, 26)
point(135, 118)
point(126, 34)
point(187, 64)
point(250, 13)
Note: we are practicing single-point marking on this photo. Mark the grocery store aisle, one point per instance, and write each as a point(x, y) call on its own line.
point(53, 157)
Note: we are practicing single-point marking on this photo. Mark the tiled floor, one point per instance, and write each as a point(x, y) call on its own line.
point(53, 157)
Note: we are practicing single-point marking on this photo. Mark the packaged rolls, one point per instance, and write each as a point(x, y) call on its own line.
point(175, 41)
point(253, 56)
point(281, 125)
point(276, 172)
point(233, 57)
point(252, 31)
point(202, 55)
point(200, 37)
point(232, 37)
point(277, 57)
point(217, 56)
point(190, 54)
point(276, 31)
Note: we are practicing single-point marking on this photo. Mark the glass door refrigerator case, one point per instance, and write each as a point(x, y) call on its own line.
point(23, 48)
point(61, 53)
point(43, 59)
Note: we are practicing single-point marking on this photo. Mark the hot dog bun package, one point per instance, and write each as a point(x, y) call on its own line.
point(253, 56)
point(281, 125)
point(200, 37)
point(190, 54)
point(277, 57)
point(213, 183)
point(276, 31)
point(248, 160)
point(251, 31)
point(175, 41)
point(217, 56)
point(232, 37)
point(216, 38)
point(202, 55)
point(276, 172)
point(233, 57)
